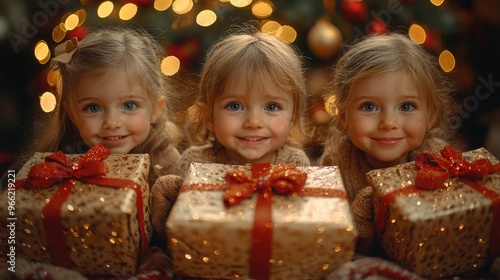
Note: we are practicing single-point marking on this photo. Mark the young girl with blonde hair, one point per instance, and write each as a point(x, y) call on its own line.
point(251, 95)
point(111, 91)
point(392, 101)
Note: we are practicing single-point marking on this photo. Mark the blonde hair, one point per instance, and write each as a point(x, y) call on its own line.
point(102, 51)
point(394, 52)
point(249, 54)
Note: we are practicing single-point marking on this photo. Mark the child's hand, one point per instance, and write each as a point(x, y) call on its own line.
point(163, 194)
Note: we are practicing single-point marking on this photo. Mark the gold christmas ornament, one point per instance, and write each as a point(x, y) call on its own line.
point(324, 39)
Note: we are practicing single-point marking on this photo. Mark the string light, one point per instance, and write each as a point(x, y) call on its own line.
point(240, 3)
point(71, 22)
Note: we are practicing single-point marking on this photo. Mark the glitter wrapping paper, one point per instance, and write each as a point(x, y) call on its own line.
point(310, 235)
point(100, 223)
point(437, 233)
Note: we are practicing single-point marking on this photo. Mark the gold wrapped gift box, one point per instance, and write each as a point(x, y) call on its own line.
point(442, 232)
point(99, 225)
point(311, 235)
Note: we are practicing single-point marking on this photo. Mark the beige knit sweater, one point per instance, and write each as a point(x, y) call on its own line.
point(206, 154)
point(353, 167)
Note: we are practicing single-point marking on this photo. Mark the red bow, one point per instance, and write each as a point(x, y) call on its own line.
point(283, 179)
point(434, 169)
point(58, 168)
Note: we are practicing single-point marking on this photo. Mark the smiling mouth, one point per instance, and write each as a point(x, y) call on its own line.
point(114, 138)
point(253, 138)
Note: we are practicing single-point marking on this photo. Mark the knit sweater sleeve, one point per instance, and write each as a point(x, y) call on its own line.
point(292, 155)
point(201, 154)
point(165, 164)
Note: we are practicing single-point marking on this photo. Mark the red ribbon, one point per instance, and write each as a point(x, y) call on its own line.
point(58, 168)
point(283, 179)
point(433, 170)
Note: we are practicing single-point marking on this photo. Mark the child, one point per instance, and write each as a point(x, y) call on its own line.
point(391, 102)
point(252, 94)
point(111, 91)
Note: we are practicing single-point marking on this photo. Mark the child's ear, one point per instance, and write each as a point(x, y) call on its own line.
point(157, 109)
point(207, 117)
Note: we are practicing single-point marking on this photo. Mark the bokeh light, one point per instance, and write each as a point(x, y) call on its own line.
point(206, 18)
point(48, 102)
point(162, 5)
point(437, 2)
point(286, 34)
point(105, 9)
point(42, 52)
point(240, 3)
point(170, 65)
point(446, 61)
point(128, 11)
point(181, 7)
point(262, 9)
point(71, 22)
point(417, 34)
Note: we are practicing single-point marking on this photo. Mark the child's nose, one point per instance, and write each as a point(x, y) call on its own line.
point(111, 121)
point(254, 120)
point(389, 121)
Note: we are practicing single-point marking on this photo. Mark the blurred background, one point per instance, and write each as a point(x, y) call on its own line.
point(463, 34)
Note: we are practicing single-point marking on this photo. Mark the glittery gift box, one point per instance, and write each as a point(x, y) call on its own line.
point(442, 232)
point(310, 235)
point(100, 224)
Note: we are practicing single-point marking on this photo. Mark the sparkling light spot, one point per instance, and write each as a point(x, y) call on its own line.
point(162, 5)
point(71, 22)
point(48, 103)
point(437, 2)
point(206, 18)
point(128, 11)
point(270, 26)
point(206, 259)
point(446, 61)
point(240, 3)
point(181, 7)
point(42, 52)
point(58, 33)
point(105, 9)
point(417, 34)
point(187, 256)
point(262, 9)
point(170, 65)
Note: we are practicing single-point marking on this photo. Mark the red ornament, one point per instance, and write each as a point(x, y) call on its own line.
point(80, 32)
point(378, 27)
point(354, 10)
point(187, 52)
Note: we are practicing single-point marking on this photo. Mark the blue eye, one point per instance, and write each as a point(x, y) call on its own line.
point(129, 106)
point(407, 107)
point(273, 107)
point(92, 108)
point(234, 106)
point(368, 107)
